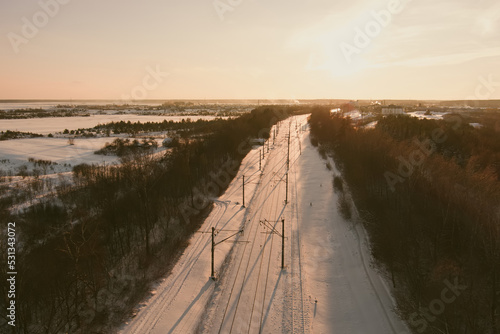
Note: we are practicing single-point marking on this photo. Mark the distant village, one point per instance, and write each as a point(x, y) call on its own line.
point(367, 113)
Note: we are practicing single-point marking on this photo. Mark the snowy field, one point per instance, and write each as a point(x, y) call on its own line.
point(59, 124)
point(53, 104)
point(40, 165)
point(15, 153)
point(57, 150)
point(327, 284)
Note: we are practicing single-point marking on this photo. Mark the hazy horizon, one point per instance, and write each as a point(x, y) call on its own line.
point(250, 50)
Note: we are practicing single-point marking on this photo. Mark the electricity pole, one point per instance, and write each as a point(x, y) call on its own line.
point(286, 195)
point(243, 190)
point(283, 244)
point(288, 154)
point(287, 166)
point(217, 243)
point(213, 251)
point(273, 230)
point(300, 145)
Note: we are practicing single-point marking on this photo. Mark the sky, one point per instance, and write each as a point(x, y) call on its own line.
point(250, 49)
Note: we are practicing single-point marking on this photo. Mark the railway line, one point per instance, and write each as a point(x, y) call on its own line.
point(254, 279)
point(251, 292)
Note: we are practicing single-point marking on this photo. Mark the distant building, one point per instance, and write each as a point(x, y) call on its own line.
point(392, 110)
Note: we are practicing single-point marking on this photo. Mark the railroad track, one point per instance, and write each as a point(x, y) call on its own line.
point(256, 263)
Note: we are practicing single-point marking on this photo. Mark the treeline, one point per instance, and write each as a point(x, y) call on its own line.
point(122, 147)
point(7, 135)
point(88, 256)
point(185, 127)
point(41, 113)
point(428, 192)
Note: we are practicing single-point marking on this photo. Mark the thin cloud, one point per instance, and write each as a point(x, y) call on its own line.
point(443, 60)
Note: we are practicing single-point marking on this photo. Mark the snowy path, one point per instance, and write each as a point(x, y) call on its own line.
point(326, 258)
point(351, 296)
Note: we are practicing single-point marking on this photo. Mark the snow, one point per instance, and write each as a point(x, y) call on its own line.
point(180, 300)
point(352, 297)
point(52, 104)
point(371, 125)
point(432, 115)
point(17, 151)
point(57, 150)
point(58, 124)
point(327, 285)
point(476, 125)
point(354, 115)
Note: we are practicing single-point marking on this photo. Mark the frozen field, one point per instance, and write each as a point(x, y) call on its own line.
point(52, 104)
point(56, 150)
point(58, 124)
point(15, 153)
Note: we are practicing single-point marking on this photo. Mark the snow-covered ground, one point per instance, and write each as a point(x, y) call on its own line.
point(371, 125)
point(15, 153)
point(327, 284)
point(417, 114)
point(58, 150)
point(52, 104)
point(354, 115)
point(351, 296)
point(476, 125)
point(59, 124)
point(431, 115)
